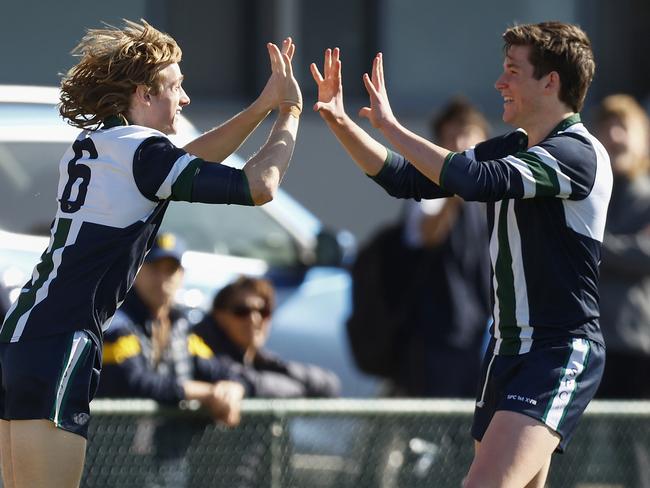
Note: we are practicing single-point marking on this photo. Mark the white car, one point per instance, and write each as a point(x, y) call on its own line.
point(281, 240)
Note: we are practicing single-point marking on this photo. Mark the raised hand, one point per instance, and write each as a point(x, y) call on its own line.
point(379, 113)
point(330, 88)
point(281, 87)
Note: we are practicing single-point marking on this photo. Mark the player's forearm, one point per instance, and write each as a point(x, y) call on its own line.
point(266, 169)
point(424, 155)
point(366, 152)
point(220, 142)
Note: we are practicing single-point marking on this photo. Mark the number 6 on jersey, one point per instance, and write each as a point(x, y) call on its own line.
point(78, 172)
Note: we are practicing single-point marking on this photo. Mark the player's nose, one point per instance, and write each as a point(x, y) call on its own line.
point(500, 83)
point(185, 99)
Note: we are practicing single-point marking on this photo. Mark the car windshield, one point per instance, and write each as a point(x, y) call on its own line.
point(28, 176)
point(233, 230)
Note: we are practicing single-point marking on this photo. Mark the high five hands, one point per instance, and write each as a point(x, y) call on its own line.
point(330, 91)
point(281, 89)
point(379, 113)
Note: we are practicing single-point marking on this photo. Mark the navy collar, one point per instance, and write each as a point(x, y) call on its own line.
point(566, 123)
point(114, 121)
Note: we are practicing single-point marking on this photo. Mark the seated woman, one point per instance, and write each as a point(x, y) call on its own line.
point(236, 330)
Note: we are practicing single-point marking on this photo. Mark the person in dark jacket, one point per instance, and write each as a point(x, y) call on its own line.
point(624, 129)
point(146, 349)
point(147, 354)
point(431, 274)
point(236, 330)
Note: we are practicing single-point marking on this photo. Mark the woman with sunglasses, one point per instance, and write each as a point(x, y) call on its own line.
point(236, 330)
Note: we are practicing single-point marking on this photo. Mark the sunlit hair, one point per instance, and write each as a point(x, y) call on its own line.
point(626, 109)
point(244, 284)
point(113, 63)
point(458, 111)
point(560, 47)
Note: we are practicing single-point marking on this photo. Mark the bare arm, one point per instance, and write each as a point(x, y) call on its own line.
point(424, 155)
point(368, 153)
point(220, 142)
point(265, 170)
point(392, 172)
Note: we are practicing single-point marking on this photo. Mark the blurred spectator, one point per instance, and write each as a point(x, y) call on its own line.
point(425, 279)
point(236, 330)
point(623, 127)
point(147, 355)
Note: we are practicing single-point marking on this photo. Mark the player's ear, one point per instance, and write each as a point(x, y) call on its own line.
point(553, 81)
point(142, 94)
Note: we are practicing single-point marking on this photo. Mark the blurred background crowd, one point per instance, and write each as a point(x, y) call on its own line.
point(368, 295)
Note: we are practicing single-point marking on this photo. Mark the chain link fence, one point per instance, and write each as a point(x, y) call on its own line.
point(375, 443)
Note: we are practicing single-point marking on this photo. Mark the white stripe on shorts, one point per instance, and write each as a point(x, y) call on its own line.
point(80, 343)
point(568, 383)
point(481, 402)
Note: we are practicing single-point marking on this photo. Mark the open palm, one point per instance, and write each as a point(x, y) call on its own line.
point(281, 86)
point(379, 113)
point(330, 87)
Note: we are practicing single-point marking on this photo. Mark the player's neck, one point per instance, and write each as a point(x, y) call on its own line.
point(547, 120)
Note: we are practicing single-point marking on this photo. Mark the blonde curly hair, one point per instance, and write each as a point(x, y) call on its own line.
point(113, 63)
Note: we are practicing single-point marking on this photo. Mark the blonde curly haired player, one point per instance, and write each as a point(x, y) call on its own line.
point(116, 181)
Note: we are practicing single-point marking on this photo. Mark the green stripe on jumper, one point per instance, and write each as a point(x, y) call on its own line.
point(443, 170)
point(546, 182)
point(27, 300)
point(182, 187)
point(506, 286)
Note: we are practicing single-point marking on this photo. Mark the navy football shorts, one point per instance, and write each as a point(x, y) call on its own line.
point(552, 384)
point(52, 377)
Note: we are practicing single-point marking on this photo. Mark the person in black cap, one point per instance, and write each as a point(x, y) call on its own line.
point(146, 351)
point(147, 355)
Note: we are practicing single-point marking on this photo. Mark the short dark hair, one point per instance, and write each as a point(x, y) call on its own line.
point(459, 111)
point(561, 47)
point(258, 286)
